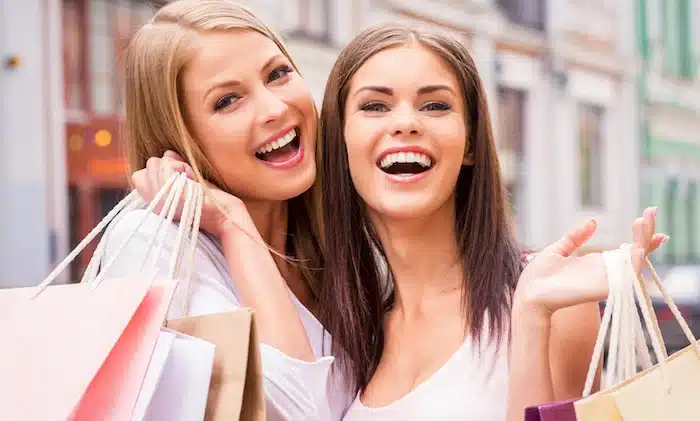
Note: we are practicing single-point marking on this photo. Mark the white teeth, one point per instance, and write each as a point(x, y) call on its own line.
point(406, 157)
point(278, 143)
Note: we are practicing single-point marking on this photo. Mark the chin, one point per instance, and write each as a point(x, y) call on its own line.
point(399, 209)
point(292, 185)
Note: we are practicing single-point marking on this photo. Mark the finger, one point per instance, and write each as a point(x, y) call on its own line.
point(172, 166)
point(638, 233)
point(152, 168)
point(173, 155)
point(190, 172)
point(638, 256)
point(649, 216)
point(657, 241)
point(573, 240)
point(139, 181)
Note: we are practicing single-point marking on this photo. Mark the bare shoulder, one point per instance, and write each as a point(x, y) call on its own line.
point(573, 336)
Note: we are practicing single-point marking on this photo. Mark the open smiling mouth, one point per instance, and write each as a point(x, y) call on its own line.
point(406, 163)
point(281, 150)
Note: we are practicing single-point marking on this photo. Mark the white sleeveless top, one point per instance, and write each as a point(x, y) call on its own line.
point(470, 386)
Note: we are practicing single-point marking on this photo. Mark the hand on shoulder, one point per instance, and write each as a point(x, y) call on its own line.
point(221, 210)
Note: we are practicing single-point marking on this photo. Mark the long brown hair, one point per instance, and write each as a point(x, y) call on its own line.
point(356, 292)
point(156, 117)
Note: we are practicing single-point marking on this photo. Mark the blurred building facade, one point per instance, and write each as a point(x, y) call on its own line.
point(562, 80)
point(669, 89)
point(561, 77)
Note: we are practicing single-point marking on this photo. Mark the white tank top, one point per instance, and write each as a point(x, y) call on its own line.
point(470, 386)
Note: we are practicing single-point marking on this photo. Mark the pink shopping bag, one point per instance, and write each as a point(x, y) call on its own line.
point(113, 393)
point(55, 344)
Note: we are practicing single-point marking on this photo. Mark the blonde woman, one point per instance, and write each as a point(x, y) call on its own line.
point(208, 81)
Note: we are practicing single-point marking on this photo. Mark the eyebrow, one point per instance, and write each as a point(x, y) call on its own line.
point(232, 83)
point(421, 91)
point(226, 83)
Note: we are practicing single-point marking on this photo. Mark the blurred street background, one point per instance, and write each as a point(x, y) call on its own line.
point(595, 103)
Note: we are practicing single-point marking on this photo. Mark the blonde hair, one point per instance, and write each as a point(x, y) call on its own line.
point(156, 117)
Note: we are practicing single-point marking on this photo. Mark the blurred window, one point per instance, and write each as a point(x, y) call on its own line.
point(112, 24)
point(74, 66)
point(511, 147)
point(590, 120)
point(530, 13)
point(692, 228)
point(315, 19)
point(678, 38)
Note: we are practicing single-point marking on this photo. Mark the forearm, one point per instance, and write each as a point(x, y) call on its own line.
point(530, 378)
point(261, 287)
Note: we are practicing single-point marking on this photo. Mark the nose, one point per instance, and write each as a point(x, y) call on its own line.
point(270, 106)
point(405, 122)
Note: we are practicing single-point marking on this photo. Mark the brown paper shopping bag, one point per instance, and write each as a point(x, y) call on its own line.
point(235, 391)
point(667, 391)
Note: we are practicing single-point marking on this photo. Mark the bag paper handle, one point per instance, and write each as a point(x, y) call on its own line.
point(620, 272)
point(621, 318)
point(648, 309)
point(132, 201)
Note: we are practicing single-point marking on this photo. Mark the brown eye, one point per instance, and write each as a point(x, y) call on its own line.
point(225, 101)
point(279, 73)
point(374, 107)
point(436, 106)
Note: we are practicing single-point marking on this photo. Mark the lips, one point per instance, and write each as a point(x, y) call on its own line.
point(282, 152)
point(406, 161)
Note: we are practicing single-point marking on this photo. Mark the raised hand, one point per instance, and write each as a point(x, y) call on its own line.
point(555, 279)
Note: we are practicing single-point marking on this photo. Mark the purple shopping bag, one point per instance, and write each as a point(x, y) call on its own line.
point(555, 411)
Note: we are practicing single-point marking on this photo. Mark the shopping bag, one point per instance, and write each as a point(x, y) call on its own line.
point(161, 352)
point(114, 391)
point(79, 351)
point(235, 391)
point(666, 391)
point(183, 385)
point(555, 411)
point(55, 344)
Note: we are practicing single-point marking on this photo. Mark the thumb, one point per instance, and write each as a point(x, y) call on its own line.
point(573, 239)
point(173, 155)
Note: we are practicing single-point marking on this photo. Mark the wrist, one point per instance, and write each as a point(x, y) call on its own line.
point(528, 311)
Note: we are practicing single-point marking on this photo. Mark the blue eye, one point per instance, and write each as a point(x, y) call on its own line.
point(279, 73)
point(225, 101)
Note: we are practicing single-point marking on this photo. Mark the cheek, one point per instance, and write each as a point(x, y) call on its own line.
point(452, 136)
point(359, 152)
point(227, 133)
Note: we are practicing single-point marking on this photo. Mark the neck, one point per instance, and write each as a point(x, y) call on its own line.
point(271, 219)
point(425, 261)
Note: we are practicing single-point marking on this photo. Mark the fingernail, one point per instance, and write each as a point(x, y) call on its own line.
point(665, 239)
point(653, 210)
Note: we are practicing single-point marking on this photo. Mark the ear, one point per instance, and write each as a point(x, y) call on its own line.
point(468, 154)
point(468, 158)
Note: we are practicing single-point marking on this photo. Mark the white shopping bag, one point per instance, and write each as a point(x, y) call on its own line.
point(182, 387)
point(156, 366)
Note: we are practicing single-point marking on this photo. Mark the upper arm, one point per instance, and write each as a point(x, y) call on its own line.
point(573, 336)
